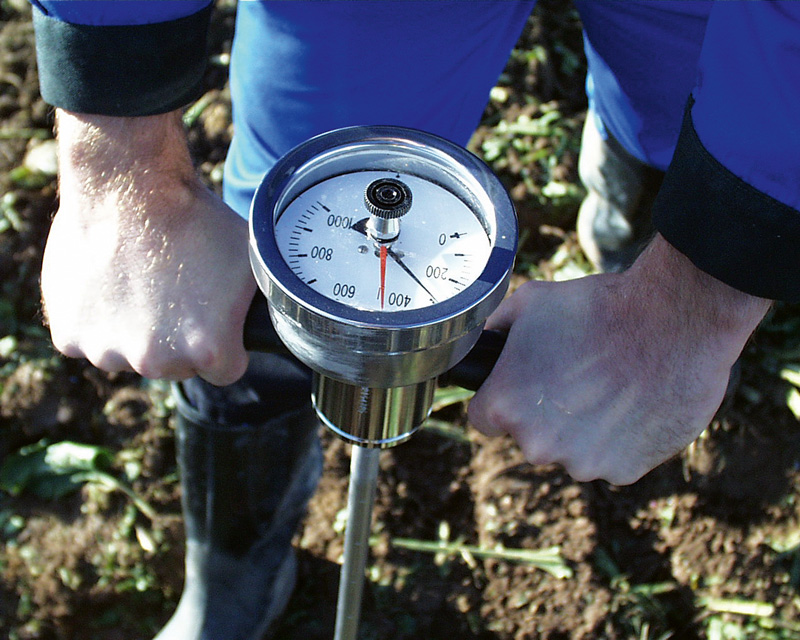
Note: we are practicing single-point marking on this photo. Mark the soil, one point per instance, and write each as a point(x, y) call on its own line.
point(707, 537)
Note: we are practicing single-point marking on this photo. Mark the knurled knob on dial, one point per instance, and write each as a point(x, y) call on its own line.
point(388, 198)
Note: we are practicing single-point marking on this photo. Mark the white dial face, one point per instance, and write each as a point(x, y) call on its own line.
point(325, 237)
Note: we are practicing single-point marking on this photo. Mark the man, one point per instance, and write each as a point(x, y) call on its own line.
point(608, 375)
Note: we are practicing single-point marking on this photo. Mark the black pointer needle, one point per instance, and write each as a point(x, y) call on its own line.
point(361, 227)
point(397, 259)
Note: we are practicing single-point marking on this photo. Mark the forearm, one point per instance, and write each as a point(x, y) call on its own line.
point(663, 282)
point(133, 161)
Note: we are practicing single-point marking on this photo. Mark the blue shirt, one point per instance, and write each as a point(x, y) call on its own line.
point(732, 190)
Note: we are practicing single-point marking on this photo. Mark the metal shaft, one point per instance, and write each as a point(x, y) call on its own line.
point(360, 500)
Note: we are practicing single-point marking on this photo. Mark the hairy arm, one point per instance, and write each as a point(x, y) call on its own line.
point(144, 268)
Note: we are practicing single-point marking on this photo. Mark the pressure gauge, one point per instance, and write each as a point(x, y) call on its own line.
point(381, 251)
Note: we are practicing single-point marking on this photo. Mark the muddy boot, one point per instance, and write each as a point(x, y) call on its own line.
point(615, 218)
point(245, 489)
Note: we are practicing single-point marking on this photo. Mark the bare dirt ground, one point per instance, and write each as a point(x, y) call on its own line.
point(705, 546)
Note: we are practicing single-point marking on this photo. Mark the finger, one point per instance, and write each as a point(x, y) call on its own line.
point(111, 362)
point(510, 309)
point(155, 360)
point(482, 420)
point(223, 367)
point(221, 377)
point(502, 318)
point(496, 407)
point(67, 349)
point(484, 411)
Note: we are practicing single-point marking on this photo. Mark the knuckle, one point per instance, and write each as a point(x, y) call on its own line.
point(504, 416)
point(222, 369)
point(612, 471)
point(537, 450)
point(109, 360)
point(149, 361)
point(207, 357)
point(581, 472)
point(156, 368)
point(65, 346)
point(623, 477)
point(65, 343)
point(214, 364)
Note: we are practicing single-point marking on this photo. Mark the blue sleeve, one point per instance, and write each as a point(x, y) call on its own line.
point(131, 58)
point(105, 13)
point(731, 195)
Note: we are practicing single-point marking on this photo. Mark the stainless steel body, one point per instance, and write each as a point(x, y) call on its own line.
point(381, 252)
point(369, 416)
point(389, 347)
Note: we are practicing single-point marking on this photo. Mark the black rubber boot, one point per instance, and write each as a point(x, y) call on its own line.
point(245, 489)
point(615, 218)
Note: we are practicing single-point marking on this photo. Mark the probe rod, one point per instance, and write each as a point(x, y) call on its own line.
point(360, 500)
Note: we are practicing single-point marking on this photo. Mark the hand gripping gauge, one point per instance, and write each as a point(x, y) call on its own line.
point(381, 252)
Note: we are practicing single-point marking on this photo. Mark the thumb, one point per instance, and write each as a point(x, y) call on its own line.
point(510, 309)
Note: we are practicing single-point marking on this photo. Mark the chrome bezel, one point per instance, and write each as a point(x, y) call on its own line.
point(386, 348)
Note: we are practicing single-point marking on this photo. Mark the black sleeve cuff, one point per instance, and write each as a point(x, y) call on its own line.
point(126, 71)
point(726, 227)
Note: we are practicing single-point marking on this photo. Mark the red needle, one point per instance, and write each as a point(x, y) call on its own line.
point(384, 252)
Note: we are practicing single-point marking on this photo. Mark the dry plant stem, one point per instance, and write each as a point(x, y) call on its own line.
point(549, 560)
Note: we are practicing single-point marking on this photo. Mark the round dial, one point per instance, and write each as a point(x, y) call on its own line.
point(331, 239)
point(381, 251)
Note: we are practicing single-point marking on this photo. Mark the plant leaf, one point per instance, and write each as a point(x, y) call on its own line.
point(446, 429)
point(48, 470)
point(447, 396)
point(67, 457)
point(793, 402)
point(791, 373)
